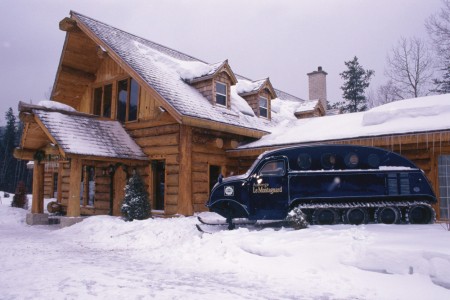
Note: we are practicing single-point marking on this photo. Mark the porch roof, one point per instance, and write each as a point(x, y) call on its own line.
point(85, 135)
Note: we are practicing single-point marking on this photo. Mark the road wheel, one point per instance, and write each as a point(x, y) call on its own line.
point(325, 216)
point(356, 216)
point(420, 214)
point(388, 215)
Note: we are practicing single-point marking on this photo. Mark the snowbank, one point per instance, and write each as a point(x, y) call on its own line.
point(104, 257)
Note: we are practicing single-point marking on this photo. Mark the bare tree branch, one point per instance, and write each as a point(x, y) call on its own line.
point(409, 68)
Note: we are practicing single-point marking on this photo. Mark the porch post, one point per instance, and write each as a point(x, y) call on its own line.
point(73, 206)
point(185, 205)
point(37, 204)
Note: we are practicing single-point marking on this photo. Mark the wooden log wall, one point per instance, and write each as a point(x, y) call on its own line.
point(160, 143)
point(205, 153)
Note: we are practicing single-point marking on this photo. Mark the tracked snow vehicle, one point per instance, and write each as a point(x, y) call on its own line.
point(330, 184)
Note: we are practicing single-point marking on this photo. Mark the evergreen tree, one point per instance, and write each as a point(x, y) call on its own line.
point(8, 162)
point(442, 86)
point(136, 204)
point(356, 80)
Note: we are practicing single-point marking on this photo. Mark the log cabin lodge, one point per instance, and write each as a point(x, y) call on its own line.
point(123, 104)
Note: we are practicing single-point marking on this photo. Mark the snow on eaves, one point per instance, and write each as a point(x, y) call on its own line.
point(84, 135)
point(410, 116)
point(56, 105)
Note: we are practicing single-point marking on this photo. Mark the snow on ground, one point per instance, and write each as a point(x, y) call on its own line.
point(104, 257)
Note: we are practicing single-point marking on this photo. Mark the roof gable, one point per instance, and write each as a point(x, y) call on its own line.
point(158, 68)
point(246, 87)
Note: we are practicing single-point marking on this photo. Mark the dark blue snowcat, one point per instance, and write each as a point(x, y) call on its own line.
point(330, 184)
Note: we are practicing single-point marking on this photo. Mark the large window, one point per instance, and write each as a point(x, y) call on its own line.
point(221, 93)
point(263, 107)
point(102, 101)
point(444, 186)
point(87, 186)
point(127, 100)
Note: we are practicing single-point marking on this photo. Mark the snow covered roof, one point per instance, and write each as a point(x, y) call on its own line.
point(85, 135)
point(418, 115)
point(167, 71)
point(307, 106)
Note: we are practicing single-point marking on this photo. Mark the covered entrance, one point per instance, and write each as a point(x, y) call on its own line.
point(94, 158)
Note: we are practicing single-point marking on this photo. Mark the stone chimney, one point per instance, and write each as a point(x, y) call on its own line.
point(318, 86)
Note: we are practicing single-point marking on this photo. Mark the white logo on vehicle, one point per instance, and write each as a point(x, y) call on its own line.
point(229, 191)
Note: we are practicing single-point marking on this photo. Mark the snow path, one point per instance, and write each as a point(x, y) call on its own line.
point(106, 258)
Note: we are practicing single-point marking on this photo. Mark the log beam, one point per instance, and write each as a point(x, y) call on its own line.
point(69, 25)
point(27, 117)
point(185, 206)
point(80, 75)
point(216, 143)
point(37, 204)
point(23, 154)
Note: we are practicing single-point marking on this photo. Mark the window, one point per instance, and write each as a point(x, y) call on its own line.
point(221, 93)
point(127, 100)
point(273, 168)
point(304, 161)
point(351, 160)
point(444, 186)
point(328, 161)
point(263, 107)
point(87, 189)
point(214, 173)
point(102, 101)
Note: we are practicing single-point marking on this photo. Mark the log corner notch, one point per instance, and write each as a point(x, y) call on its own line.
point(69, 25)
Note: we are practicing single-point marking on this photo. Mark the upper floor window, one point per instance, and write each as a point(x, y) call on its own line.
point(127, 100)
point(263, 107)
point(102, 101)
point(221, 93)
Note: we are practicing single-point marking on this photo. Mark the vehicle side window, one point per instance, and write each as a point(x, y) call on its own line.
point(273, 168)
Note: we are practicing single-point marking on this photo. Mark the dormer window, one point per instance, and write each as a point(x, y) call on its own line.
point(263, 107)
point(221, 93)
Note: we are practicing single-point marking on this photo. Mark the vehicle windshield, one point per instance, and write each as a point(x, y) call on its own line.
point(255, 163)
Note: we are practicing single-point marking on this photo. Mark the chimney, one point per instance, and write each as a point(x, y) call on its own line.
point(318, 86)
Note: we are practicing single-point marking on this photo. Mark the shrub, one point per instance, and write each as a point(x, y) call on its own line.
point(136, 204)
point(20, 198)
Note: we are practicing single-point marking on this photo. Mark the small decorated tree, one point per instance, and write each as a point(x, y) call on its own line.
point(297, 219)
point(20, 198)
point(136, 204)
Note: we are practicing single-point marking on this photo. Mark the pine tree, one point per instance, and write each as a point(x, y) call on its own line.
point(356, 80)
point(8, 162)
point(136, 204)
point(442, 86)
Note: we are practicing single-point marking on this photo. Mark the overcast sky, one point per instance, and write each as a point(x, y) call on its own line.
point(280, 39)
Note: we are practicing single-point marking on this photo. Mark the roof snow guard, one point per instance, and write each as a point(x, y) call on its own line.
point(84, 135)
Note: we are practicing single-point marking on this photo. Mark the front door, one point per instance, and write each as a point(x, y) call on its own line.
point(159, 182)
point(269, 190)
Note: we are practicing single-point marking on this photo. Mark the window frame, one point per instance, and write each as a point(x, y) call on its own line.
point(260, 97)
point(128, 99)
point(102, 100)
point(272, 173)
point(217, 93)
